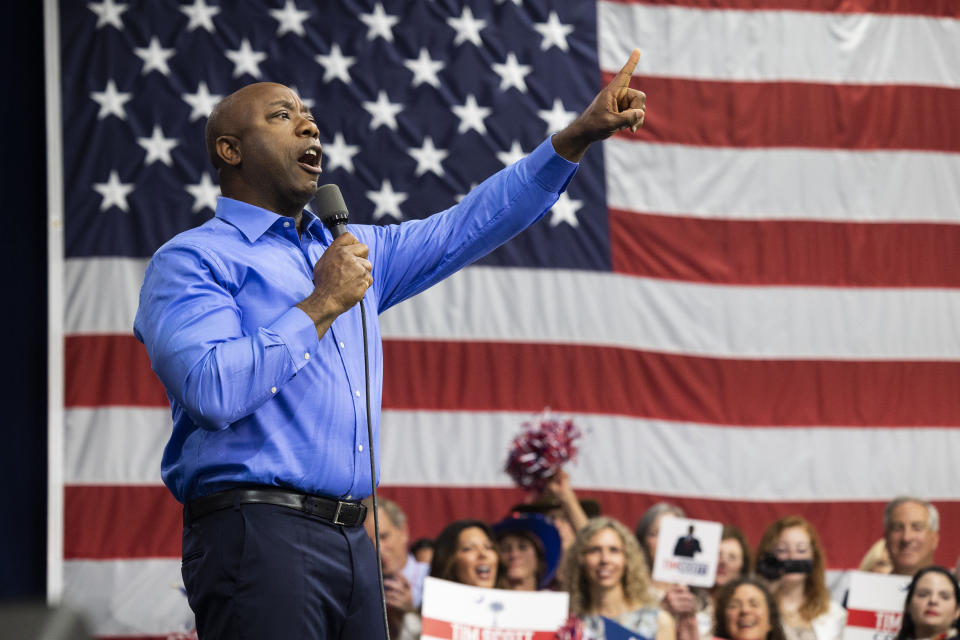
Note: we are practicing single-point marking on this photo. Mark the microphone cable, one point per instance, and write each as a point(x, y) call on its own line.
point(332, 210)
point(373, 472)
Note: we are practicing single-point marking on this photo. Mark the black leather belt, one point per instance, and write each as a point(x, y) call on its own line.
point(346, 513)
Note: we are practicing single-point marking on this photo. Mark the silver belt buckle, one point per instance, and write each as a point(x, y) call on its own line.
point(336, 515)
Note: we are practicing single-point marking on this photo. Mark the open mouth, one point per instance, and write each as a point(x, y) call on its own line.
point(310, 160)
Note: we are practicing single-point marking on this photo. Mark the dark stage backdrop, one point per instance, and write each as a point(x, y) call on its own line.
point(24, 274)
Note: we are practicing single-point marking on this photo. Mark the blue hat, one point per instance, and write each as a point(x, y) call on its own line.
point(542, 531)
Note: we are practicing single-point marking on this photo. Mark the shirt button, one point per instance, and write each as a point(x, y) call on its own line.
point(357, 393)
point(342, 345)
point(306, 356)
point(286, 224)
point(360, 448)
point(273, 389)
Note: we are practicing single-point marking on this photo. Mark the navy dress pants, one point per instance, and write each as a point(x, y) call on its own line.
point(260, 571)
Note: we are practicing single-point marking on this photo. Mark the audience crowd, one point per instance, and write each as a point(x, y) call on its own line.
point(776, 592)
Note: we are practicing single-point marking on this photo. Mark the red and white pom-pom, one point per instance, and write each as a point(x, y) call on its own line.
point(545, 444)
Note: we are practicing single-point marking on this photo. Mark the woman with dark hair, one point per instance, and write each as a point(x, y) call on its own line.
point(791, 558)
point(746, 610)
point(932, 607)
point(464, 552)
point(734, 561)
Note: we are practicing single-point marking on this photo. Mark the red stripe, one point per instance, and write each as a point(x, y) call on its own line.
point(785, 252)
point(110, 522)
point(431, 375)
point(104, 522)
point(797, 114)
point(508, 377)
point(109, 370)
point(935, 8)
point(444, 629)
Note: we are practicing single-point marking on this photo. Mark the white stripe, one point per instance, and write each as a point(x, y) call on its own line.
point(128, 597)
point(115, 445)
point(677, 458)
point(784, 184)
point(530, 305)
point(536, 305)
point(55, 301)
point(468, 449)
point(748, 45)
point(103, 294)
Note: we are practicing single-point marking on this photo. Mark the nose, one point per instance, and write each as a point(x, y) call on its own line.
point(309, 129)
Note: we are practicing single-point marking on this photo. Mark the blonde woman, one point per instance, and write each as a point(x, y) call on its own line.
point(791, 558)
point(607, 578)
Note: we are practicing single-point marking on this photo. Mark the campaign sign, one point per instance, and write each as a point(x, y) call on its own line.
point(875, 606)
point(453, 611)
point(687, 551)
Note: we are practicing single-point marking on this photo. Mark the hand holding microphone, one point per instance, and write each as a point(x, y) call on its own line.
point(342, 274)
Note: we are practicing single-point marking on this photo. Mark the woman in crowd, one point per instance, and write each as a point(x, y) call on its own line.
point(745, 610)
point(529, 544)
point(734, 561)
point(677, 600)
point(648, 528)
point(932, 607)
point(800, 591)
point(607, 578)
point(464, 552)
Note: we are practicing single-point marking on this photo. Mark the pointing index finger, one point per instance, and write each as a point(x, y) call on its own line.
point(622, 78)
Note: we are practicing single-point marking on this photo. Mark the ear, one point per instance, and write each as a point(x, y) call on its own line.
point(228, 149)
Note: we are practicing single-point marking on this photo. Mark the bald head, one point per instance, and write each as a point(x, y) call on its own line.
point(232, 116)
point(265, 144)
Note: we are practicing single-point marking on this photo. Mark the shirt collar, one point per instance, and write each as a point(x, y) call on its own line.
point(252, 221)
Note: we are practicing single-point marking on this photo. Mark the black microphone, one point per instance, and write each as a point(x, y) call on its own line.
point(329, 206)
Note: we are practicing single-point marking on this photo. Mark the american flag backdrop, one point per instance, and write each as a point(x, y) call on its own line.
point(751, 306)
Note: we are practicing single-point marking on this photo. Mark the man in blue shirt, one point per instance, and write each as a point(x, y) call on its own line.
point(252, 324)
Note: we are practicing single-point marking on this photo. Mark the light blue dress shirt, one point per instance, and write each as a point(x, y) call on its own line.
point(256, 397)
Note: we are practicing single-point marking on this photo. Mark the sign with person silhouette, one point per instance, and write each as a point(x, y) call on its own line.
point(687, 551)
